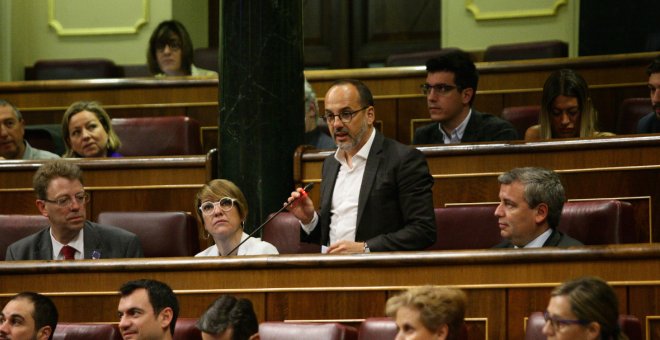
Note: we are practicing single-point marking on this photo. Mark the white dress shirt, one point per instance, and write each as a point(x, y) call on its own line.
point(345, 195)
point(253, 246)
point(539, 241)
point(77, 243)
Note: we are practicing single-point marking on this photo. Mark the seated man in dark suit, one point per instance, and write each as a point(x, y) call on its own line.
point(450, 89)
point(651, 122)
point(376, 192)
point(61, 197)
point(531, 201)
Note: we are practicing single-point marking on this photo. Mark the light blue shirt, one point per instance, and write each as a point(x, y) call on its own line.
point(539, 241)
point(457, 134)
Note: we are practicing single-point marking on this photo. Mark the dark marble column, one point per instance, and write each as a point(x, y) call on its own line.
point(261, 100)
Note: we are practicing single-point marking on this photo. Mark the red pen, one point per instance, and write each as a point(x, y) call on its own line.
point(303, 193)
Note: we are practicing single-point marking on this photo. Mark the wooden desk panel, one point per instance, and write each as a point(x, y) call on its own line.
point(499, 75)
point(395, 112)
point(619, 168)
point(111, 199)
point(583, 185)
point(401, 110)
point(119, 184)
point(479, 159)
point(503, 286)
point(116, 172)
point(206, 113)
point(61, 93)
point(396, 89)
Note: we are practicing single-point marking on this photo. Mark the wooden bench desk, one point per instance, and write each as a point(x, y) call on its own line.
point(621, 167)
point(612, 78)
point(503, 286)
point(114, 184)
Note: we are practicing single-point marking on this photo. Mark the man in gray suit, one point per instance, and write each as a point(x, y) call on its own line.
point(531, 201)
point(61, 198)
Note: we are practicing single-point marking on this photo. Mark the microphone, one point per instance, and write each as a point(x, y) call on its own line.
point(307, 188)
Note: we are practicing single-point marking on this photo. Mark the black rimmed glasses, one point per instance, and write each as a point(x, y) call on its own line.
point(559, 324)
point(225, 203)
point(174, 45)
point(66, 201)
point(438, 88)
point(345, 116)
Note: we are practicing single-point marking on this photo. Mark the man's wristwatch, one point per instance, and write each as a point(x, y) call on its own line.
point(366, 248)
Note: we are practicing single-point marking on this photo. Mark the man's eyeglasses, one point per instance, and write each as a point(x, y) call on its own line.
point(225, 203)
point(559, 324)
point(438, 88)
point(66, 201)
point(345, 116)
point(174, 45)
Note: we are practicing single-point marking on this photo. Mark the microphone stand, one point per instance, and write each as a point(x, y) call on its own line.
point(303, 194)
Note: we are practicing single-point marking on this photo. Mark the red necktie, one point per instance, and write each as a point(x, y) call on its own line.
point(68, 252)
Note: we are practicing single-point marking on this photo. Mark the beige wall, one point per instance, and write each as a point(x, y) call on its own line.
point(461, 29)
point(32, 39)
point(25, 36)
point(194, 15)
point(5, 40)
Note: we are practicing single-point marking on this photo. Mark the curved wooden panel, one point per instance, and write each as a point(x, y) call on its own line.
point(503, 286)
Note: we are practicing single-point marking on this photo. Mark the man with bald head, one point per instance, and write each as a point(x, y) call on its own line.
point(28, 316)
point(376, 192)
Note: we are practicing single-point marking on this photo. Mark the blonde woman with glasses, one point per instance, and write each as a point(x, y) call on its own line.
point(222, 208)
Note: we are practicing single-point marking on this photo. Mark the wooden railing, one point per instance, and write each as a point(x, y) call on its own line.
point(115, 184)
point(625, 168)
point(612, 78)
point(503, 286)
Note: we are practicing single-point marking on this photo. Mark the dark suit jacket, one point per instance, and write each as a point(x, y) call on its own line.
point(395, 206)
point(111, 242)
point(319, 139)
point(556, 239)
point(481, 127)
point(648, 124)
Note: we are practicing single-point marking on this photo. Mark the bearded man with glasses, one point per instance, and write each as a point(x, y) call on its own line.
point(61, 198)
point(376, 192)
point(450, 89)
